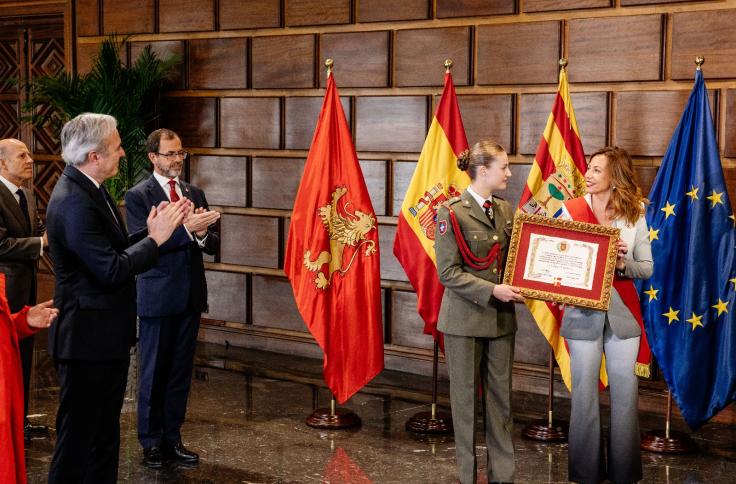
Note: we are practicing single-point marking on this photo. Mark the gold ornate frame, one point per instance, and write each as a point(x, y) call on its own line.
point(608, 235)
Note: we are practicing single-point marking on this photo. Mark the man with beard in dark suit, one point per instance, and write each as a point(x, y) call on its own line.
point(171, 299)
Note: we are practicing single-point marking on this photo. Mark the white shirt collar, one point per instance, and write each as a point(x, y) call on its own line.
point(164, 180)
point(480, 200)
point(11, 186)
point(90, 178)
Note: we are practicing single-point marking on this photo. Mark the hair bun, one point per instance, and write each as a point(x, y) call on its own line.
point(463, 160)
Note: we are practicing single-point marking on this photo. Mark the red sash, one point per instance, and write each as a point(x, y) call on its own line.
point(580, 211)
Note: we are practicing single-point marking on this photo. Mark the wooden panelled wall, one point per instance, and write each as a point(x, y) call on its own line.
point(247, 95)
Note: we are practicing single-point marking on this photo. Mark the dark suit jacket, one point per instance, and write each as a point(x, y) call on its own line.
point(95, 267)
point(20, 248)
point(177, 283)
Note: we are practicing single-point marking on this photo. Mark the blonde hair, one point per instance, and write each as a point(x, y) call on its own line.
point(482, 153)
point(627, 201)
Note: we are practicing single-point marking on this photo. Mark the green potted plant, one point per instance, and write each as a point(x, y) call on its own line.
point(130, 94)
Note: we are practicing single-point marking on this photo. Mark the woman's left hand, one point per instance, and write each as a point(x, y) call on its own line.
point(621, 250)
point(42, 315)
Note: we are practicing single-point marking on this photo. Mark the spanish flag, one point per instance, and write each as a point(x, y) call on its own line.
point(436, 179)
point(332, 256)
point(556, 175)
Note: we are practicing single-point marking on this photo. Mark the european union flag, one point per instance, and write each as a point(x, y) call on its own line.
point(688, 303)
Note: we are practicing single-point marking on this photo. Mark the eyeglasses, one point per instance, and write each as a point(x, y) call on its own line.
point(174, 154)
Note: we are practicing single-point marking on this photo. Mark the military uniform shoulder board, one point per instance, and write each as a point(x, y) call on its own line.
point(500, 198)
point(442, 224)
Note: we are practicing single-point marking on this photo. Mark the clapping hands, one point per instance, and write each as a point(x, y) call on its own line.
point(197, 220)
point(164, 219)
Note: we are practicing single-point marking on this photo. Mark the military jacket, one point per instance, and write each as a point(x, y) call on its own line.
point(468, 307)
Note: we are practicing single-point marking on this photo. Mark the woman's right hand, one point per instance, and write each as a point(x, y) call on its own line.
point(506, 293)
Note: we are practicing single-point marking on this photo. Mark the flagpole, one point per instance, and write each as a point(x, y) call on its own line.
point(433, 422)
point(332, 417)
point(549, 429)
point(667, 441)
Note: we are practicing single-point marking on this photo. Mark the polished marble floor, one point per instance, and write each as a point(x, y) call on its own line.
point(246, 419)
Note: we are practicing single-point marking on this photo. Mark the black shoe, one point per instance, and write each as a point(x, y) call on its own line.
point(181, 454)
point(153, 458)
point(35, 431)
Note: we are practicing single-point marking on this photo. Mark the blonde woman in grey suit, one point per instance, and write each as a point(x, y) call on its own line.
point(612, 199)
point(477, 314)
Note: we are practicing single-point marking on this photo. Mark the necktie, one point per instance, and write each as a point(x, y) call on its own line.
point(110, 204)
point(488, 206)
point(173, 196)
point(24, 206)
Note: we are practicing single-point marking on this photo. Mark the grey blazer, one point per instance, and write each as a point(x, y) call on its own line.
point(587, 324)
point(468, 308)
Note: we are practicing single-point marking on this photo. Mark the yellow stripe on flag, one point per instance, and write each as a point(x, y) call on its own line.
point(559, 161)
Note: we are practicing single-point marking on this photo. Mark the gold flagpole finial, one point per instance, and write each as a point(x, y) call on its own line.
point(699, 61)
point(562, 63)
point(448, 65)
point(329, 64)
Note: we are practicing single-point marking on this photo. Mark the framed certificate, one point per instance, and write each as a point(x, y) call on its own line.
point(562, 261)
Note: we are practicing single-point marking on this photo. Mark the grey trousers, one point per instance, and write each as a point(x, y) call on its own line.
point(585, 452)
point(486, 361)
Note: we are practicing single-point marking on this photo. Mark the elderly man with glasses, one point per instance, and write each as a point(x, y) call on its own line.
point(171, 299)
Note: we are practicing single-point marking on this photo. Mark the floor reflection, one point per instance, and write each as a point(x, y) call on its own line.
point(246, 420)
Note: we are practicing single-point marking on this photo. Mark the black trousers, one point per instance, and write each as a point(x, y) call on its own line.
point(88, 421)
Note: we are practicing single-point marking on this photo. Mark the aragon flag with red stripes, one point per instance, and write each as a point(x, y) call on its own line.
point(332, 256)
point(436, 179)
point(557, 174)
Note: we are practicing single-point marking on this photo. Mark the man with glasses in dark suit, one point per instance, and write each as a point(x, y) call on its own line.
point(171, 299)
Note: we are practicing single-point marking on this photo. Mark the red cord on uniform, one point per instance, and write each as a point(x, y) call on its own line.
point(471, 259)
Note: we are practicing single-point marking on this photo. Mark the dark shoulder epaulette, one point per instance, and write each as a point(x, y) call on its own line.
point(500, 198)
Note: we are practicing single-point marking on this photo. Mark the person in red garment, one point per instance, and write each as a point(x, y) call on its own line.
point(14, 327)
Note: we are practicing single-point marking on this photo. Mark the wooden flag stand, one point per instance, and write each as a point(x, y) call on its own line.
point(432, 422)
point(333, 418)
point(666, 441)
point(548, 430)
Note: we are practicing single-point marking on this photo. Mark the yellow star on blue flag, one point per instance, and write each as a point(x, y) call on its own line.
point(715, 198)
point(693, 193)
point(668, 209)
point(721, 306)
point(653, 234)
point(652, 293)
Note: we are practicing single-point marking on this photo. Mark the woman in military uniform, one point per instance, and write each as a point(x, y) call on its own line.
point(613, 199)
point(477, 314)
